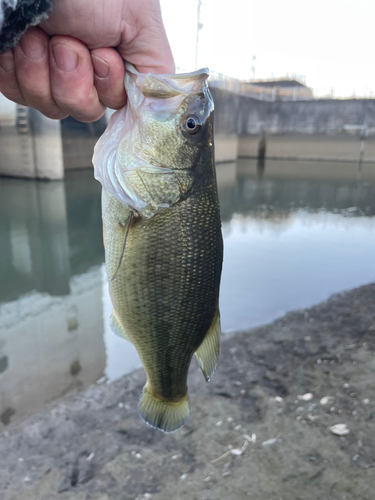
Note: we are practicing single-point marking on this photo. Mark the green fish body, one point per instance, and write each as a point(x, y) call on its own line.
point(162, 235)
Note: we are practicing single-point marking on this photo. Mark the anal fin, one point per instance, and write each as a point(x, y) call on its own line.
point(117, 327)
point(208, 352)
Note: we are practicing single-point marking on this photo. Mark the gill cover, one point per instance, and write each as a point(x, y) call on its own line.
point(145, 156)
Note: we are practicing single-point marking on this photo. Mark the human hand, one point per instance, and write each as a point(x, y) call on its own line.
point(72, 64)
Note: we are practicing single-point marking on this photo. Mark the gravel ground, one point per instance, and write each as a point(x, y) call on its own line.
point(265, 427)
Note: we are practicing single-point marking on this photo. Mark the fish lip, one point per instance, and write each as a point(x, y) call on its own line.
point(173, 76)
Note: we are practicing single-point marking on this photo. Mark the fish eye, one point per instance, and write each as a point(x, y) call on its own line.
point(192, 125)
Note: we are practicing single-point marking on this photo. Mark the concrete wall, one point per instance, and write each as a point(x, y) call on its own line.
point(323, 116)
point(318, 129)
point(341, 147)
point(30, 145)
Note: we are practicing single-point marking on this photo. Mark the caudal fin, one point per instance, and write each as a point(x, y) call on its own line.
point(163, 415)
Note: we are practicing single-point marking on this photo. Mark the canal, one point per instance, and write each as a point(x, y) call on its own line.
point(294, 233)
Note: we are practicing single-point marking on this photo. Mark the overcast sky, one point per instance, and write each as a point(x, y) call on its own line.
point(330, 42)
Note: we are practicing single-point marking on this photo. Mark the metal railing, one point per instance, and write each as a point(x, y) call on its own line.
point(259, 92)
point(223, 82)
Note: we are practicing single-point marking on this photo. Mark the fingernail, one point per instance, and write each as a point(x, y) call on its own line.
point(32, 47)
point(101, 68)
point(65, 59)
point(7, 61)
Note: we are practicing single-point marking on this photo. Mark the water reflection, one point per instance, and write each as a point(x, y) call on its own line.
point(51, 321)
point(294, 233)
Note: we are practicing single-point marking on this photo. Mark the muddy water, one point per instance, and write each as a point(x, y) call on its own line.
point(291, 239)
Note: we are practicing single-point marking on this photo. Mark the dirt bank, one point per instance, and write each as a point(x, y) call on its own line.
point(269, 409)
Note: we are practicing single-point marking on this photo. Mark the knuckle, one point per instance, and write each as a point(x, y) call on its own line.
point(85, 108)
point(57, 114)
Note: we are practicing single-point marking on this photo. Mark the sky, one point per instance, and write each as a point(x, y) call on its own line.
point(330, 42)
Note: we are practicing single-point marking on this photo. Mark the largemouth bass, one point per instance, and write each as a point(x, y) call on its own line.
point(162, 234)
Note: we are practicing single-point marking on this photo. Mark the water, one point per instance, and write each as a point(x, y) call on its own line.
point(294, 233)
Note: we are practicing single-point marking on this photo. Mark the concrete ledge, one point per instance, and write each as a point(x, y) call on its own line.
point(226, 147)
point(341, 148)
point(32, 147)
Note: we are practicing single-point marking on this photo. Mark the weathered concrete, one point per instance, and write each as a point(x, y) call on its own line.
point(226, 147)
point(319, 129)
point(341, 147)
point(30, 144)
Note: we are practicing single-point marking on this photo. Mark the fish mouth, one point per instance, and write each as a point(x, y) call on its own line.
point(203, 72)
point(165, 86)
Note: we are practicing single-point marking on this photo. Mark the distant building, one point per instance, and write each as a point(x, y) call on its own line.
point(281, 89)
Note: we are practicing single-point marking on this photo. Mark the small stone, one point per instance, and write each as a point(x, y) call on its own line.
point(207, 479)
point(228, 473)
point(278, 399)
point(306, 397)
point(184, 476)
point(346, 386)
point(238, 427)
point(90, 457)
point(339, 429)
point(20, 459)
point(307, 338)
point(365, 401)
point(121, 405)
point(138, 455)
point(324, 400)
point(229, 419)
point(218, 424)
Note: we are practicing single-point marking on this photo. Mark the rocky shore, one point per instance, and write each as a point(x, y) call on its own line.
point(289, 415)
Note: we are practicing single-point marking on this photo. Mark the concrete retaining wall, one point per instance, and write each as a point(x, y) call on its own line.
point(318, 129)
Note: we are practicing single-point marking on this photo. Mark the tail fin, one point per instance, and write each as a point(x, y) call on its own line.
point(163, 415)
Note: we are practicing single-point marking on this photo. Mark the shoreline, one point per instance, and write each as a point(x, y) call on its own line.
point(287, 383)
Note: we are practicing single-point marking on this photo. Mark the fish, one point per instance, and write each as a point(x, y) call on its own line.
point(162, 234)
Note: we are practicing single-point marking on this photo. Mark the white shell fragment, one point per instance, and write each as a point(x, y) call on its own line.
point(306, 397)
point(269, 442)
point(339, 429)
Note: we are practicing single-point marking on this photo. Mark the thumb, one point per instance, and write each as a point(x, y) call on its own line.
point(149, 51)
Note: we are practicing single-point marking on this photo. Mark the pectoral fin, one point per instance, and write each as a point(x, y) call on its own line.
point(117, 327)
point(208, 352)
point(126, 227)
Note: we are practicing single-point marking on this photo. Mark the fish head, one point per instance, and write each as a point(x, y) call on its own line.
point(165, 129)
